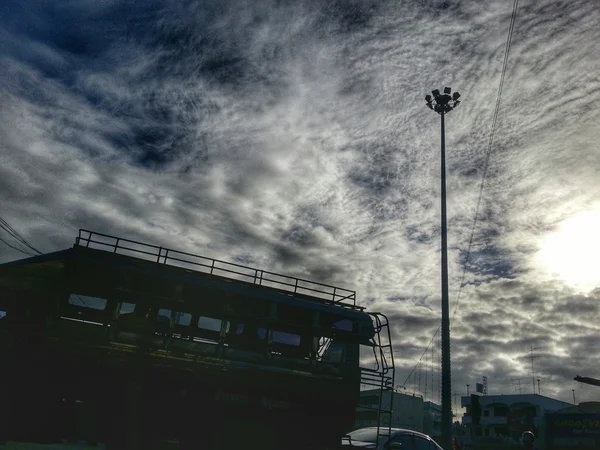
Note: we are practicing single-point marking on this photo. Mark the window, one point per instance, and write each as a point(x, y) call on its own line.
point(85, 309)
point(334, 353)
point(486, 412)
point(281, 337)
point(343, 324)
point(126, 308)
point(2, 314)
point(164, 315)
point(244, 330)
point(335, 322)
point(323, 344)
point(87, 302)
point(209, 323)
point(183, 319)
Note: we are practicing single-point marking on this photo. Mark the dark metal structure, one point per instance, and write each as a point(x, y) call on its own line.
point(443, 104)
point(139, 346)
point(587, 380)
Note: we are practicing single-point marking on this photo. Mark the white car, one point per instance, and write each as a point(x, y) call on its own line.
point(399, 438)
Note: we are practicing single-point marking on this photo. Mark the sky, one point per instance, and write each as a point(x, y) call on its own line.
point(294, 137)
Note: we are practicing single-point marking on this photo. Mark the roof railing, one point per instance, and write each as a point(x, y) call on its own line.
point(203, 264)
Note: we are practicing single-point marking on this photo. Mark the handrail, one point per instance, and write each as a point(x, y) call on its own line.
point(167, 256)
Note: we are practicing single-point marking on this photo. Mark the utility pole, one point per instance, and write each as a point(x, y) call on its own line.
point(574, 402)
point(443, 104)
point(539, 390)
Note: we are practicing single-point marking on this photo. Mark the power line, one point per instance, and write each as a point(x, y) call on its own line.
point(424, 352)
point(12, 233)
point(488, 152)
point(16, 236)
point(16, 248)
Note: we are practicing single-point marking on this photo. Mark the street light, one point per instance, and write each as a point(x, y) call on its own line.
point(443, 104)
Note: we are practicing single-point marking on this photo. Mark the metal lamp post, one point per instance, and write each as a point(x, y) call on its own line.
point(443, 104)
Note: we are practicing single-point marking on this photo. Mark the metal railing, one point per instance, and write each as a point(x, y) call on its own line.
point(382, 376)
point(203, 264)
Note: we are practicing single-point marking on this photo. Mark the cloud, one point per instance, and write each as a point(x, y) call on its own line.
point(293, 137)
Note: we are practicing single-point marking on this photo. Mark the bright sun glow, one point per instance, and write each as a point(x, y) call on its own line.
point(572, 251)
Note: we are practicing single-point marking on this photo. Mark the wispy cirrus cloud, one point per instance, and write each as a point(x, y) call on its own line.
point(293, 137)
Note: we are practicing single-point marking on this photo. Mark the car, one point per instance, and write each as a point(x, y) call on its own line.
point(396, 438)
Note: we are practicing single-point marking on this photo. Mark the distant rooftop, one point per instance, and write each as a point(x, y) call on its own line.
point(513, 398)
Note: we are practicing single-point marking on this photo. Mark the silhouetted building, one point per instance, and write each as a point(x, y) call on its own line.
point(407, 409)
point(575, 427)
point(432, 419)
point(505, 417)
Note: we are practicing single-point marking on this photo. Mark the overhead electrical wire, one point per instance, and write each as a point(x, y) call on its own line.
point(421, 358)
point(16, 236)
point(16, 248)
point(483, 177)
point(488, 152)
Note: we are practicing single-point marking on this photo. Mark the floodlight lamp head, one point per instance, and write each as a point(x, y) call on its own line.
point(447, 90)
point(436, 93)
point(455, 96)
point(428, 98)
point(456, 103)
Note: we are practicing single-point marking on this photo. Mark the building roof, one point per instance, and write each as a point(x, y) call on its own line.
point(513, 398)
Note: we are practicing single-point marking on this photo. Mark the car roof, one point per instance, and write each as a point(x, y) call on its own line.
point(397, 430)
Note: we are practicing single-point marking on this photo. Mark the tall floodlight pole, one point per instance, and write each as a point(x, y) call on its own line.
point(443, 104)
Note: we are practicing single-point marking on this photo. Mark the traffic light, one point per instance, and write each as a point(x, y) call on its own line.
point(475, 409)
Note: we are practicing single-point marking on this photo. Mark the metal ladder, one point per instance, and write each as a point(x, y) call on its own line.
point(382, 376)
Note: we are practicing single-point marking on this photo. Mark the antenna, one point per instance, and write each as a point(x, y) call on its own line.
point(532, 371)
point(517, 384)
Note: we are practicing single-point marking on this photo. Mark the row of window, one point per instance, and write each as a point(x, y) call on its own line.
point(212, 330)
point(97, 303)
point(183, 319)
